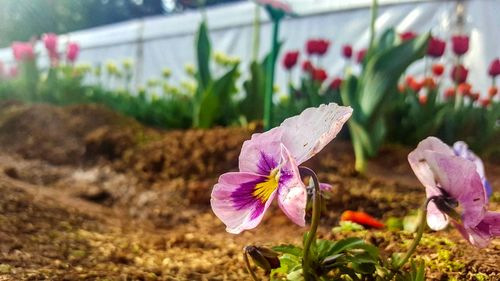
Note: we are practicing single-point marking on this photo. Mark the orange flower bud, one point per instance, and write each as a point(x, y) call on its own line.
point(492, 91)
point(485, 102)
point(422, 100)
point(401, 88)
point(464, 89)
point(449, 93)
point(430, 83)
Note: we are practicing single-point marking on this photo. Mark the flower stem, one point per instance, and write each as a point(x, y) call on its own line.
point(316, 213)
point(268, 94)
point(256, 33)
point(416, 241)
point(249, 268)
point(373, 19)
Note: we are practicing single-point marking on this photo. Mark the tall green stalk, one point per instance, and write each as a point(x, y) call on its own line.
point(373, 19)
point(256, 34)
point(268, 97)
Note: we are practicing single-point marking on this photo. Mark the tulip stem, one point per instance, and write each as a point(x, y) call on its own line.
point(316, 214)
point(268, 94)
point(249, 268)
point(374, 11)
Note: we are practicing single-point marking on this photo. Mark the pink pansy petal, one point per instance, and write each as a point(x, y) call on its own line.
point(436, 220)
point(476, 238)
point(306, 134)
point(292, 193)
point(492, 219)
point(238, 214)
point(261, 152)
point(421, 168)
point(459, 178)
point(462, 149)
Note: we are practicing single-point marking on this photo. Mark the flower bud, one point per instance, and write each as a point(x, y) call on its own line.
point(264, 258)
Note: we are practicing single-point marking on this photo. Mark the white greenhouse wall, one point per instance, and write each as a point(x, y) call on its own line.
point(168, 41)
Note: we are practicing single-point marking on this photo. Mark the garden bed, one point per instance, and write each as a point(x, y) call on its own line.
point(89, 194)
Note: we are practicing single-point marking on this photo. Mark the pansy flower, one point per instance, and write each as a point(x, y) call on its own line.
point(455, 192)
point(461, 149)
point(268, 168)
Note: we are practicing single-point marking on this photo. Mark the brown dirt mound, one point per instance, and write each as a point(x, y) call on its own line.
point(55, 134)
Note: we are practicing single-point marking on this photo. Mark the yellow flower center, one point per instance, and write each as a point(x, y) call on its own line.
point(264, 189)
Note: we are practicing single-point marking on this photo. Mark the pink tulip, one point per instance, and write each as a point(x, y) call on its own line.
point(50, 42)
point(72, 51)
point(23, 51)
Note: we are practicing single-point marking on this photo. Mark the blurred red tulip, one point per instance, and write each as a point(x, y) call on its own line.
point(464, 89)
point(492, 91)
point(290, 59)
point(413, 84)
point(361, 55)
point(449, 93)
point(319, 74)
point(336, 83)
point(317, 46)
point(459, 74)
point(361, 218)
point(460, 44)
point(405, 36)
point(429, 83)
point(437, 69)
point(436, 47)
point(474, 96)
point(485, 102)
point(494, 69)
point(347, 51)
point(307, 66)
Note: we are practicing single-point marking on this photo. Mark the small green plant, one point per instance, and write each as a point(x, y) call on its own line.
point(213, 101)
point(369, 93)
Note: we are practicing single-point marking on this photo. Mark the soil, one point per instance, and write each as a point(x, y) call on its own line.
point(87, 194)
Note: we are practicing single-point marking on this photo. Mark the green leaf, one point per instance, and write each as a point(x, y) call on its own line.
point(383, 70)
point(387, 40)
point(289, 249)
point(345, 244)
point(203, 52)
point(216, 101)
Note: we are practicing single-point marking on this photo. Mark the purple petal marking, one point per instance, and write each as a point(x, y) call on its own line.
point(266, 163)
point(243, 197)
point(248, 210)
